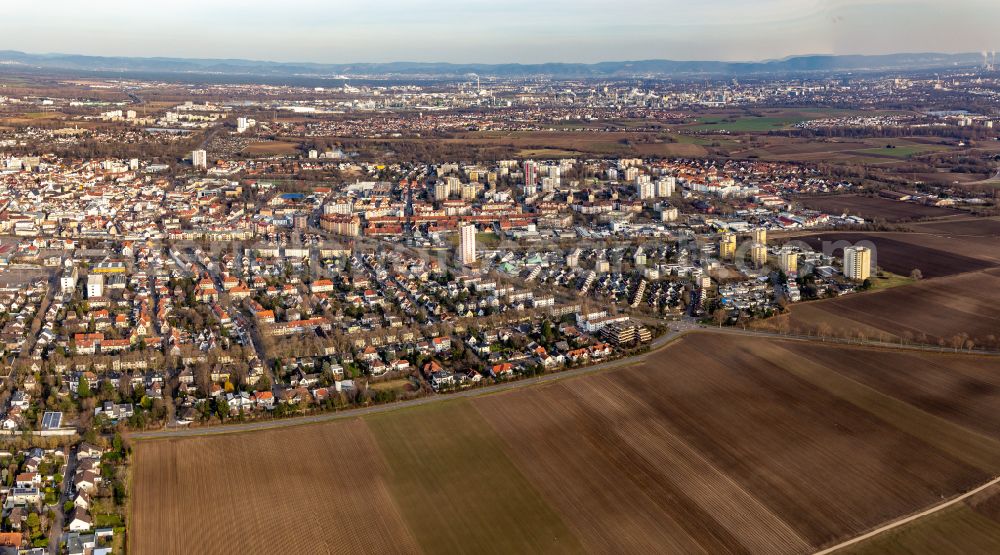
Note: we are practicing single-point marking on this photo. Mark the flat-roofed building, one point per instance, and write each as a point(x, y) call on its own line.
point(727, 246)
point(788, 261)
point(758, 255)
point(857, 263)
point(467, 252)
point(95, 286)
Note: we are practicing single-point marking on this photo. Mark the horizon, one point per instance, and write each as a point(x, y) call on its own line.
point(501, 63)
point(448, 31)
point(468, 276)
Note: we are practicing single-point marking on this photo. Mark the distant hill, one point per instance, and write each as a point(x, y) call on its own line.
point(639, 68)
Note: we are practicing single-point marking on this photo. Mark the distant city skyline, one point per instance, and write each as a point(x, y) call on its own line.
point(519, 31)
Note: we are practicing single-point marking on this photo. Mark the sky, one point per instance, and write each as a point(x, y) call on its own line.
point(499, 31)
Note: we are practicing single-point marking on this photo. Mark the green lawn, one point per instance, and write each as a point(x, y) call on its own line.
point(744, 124)
point(546, 153)
point(398, 384)
point(889, 280)
point(693, 140)
point(900, 151)
point(487, 240)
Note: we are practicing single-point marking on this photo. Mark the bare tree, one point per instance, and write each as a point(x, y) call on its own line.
point(720, 316)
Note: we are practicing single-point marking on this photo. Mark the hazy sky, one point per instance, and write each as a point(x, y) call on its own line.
point(498, 30)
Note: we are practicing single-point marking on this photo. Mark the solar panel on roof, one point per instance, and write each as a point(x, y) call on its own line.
point(51, 420)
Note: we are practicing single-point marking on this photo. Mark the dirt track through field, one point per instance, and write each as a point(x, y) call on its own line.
point(719, 443)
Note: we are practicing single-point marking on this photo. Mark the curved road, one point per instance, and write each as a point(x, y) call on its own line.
point(657, 344)
point(677, 330)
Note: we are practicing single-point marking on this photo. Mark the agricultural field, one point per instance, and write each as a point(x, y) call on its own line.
point(677, 149)
point(546, 153)
point(904, 151)
point(972, 526)
point(272, 147)
point(881, 152)
point(238, 494)
point(945, 177)
point(966, 227)
point(30, 118)
point(744, 138)
point(557, 144)
point(714, 444)
point(784, 148)
point(961, 390)
point(939, 311)
point(901, 253)
point(971, 245)
point(730, 121)
point(875, 207)
point(528, 144)
point(449, 474)
point(982, 248)
point(744, 124)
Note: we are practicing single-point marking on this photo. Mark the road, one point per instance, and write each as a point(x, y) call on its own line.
point(995, 177)
point(855, 342)
point(677, 329)
point(907, 520)
point(39, 319)
point(657, 344)
point(245, 327)
point(31, 337)
point(56, 529)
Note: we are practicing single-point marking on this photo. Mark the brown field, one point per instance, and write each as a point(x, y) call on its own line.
point(900, 253)
point(599, 142)
point(815, 317)
point(961, 390)
point(546, 153)
point(797, 150)
point(966, 227)
point(983, 248)
point(970, 246)
point(931, 311)
point(874, 207)
point(972, 526)
point(622, 138)
point(840, 151)
point(31, 118)
point(660, 424)
point(401, 384)
point(544, 144)
point(458, 490)
point(271, 147)
point(716, 444)
point(686, 150)
point(238, 494)
point(950, 178)
point(787, 149)
point(627, 478)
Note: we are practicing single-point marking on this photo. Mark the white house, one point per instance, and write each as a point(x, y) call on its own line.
point(80, 520)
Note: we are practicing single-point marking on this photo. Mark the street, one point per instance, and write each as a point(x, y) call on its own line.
point(677, 330)
point(56, 528)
